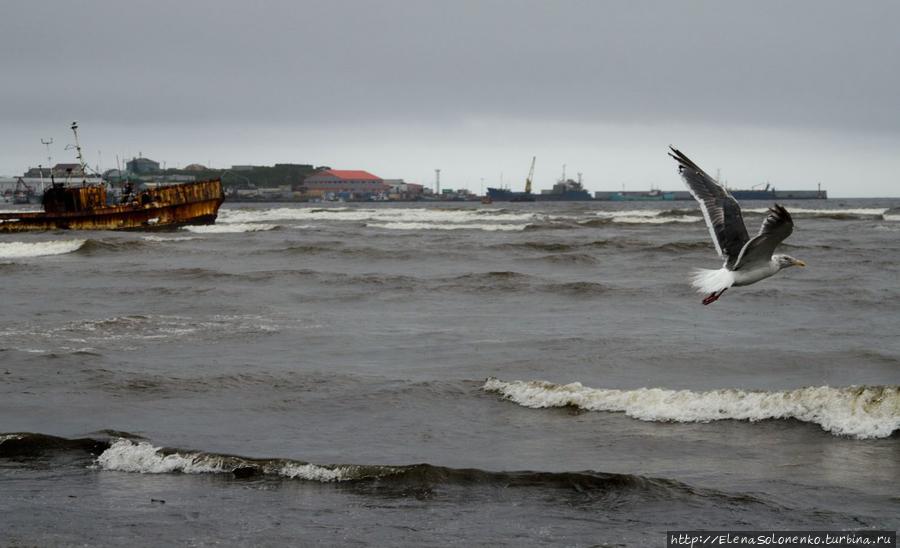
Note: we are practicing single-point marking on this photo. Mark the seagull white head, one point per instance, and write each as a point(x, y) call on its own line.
point(784, 261)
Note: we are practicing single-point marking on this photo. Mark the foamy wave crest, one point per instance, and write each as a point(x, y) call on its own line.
point(128, 456)
point(657, 220)
point(229, 228)
point(125, 455)
point(437, 226)
point(830, 213)
point(19, 250)
point(891, 218)
point(405, 215)
point(859, 411)
point(648, 216)
point(169, 238)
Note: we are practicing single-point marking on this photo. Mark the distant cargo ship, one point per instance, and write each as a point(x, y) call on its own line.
point(766, 193)
point(507, 195)
point(654, 195)
point(565, 191)
point(771, 193)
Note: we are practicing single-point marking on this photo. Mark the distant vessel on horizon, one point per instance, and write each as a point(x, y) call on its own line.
point(653, 195)
point(507, 195)
point(771, 193)
point(566, 190)
point(766, 193)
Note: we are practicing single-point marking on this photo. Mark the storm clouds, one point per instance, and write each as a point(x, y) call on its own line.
point(793, 93)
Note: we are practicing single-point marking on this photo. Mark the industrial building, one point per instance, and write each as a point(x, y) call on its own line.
point(142, 165)
point(350, 184)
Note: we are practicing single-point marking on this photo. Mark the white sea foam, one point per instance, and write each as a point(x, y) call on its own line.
point(169, 238)
point(865, 211)
point(311, 472)
point(438, 226)
point(128, 456)
point(891, 218)
point(144, 458)
point(647, 216)
point(19, 250)
point(657, 220)
point(858, 411)
point(229, 228)
point(628, 213)
point(408, 215)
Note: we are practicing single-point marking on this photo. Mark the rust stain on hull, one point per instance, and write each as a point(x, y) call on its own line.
point(82, 208)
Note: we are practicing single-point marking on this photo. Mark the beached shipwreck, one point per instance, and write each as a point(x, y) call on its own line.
point(86, 208)
point(89, 206)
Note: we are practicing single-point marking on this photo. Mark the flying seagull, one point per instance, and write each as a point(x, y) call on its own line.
point(747, 260)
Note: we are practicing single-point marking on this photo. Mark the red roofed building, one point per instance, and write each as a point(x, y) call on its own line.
point(356, 183)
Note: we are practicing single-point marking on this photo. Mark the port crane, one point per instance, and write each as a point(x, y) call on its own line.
point(530, 176)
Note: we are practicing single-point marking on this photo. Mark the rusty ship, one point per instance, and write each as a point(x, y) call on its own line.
point(88, 206)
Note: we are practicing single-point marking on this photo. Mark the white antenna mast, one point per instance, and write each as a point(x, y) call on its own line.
point(47, 143)
point(79, 155)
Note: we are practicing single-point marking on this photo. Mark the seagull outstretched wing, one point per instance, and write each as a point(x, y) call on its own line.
point(777, 226)
point(720, 210)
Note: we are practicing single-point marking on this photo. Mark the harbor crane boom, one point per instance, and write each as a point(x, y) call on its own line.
point(530, 176)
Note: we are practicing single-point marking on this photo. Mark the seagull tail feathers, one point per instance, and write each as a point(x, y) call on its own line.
point(712, 281)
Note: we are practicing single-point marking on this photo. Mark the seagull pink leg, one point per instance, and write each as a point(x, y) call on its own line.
point(713, 297)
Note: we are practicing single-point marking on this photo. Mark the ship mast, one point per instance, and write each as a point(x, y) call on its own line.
point(47, 143)
point(79, 155)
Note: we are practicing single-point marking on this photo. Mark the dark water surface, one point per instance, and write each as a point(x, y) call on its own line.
point(513, 374)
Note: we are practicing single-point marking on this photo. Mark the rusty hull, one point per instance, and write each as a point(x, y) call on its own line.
point(162, 207)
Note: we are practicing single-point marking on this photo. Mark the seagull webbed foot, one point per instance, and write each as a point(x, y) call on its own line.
point(713, 297)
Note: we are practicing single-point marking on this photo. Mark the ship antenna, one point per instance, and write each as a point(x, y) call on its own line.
point(79, 155)
point(47, 143)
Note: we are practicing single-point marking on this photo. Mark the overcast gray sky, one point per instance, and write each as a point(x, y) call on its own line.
point(795, 93)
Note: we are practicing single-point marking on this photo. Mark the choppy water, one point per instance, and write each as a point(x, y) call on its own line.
point(513, 374)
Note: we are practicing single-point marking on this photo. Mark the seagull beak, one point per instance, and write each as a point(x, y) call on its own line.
point(798, 262)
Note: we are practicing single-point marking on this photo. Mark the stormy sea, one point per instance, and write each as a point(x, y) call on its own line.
point(446, 374)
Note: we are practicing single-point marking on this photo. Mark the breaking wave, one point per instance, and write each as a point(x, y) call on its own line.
point(92, 246)
point(862, 412)
point(20, 250)
point(859, 213)
point(229, 228)
point(123, 452)
point(385, 215)
point(169, 238)
point(640, 216)
point(439, 226)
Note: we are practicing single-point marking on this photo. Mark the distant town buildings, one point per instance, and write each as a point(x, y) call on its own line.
point(59, 170)
point(278, 182)
point(142, 165)
point(350, 184)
